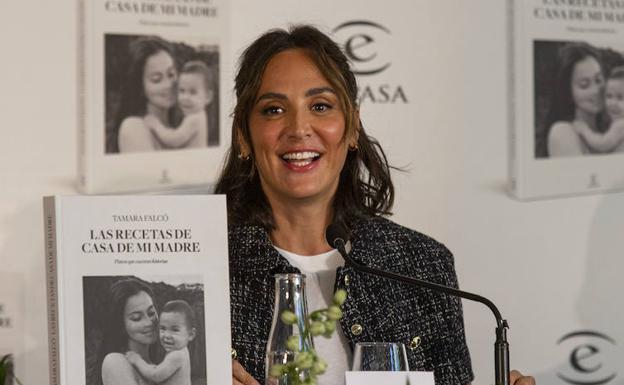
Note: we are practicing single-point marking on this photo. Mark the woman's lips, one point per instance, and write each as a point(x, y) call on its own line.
point(301, 161)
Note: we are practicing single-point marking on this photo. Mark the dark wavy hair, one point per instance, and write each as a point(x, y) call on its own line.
point(365, 188)
point(562, 106)
point(133, 101)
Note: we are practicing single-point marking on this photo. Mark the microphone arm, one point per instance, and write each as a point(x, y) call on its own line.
point(501, 346)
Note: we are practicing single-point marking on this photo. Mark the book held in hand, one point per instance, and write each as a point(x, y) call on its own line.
point(137, 288)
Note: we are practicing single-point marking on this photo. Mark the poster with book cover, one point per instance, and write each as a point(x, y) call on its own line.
point(137, 289)
point(151, 94)
point(567, 97)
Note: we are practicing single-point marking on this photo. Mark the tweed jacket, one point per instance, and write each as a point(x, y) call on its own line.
point(429, 324)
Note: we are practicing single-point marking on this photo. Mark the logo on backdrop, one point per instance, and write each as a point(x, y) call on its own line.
point(586, 365)
point(5, 320)
point(362, 41)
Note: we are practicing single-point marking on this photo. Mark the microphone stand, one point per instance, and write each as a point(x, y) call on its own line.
point(501, 346)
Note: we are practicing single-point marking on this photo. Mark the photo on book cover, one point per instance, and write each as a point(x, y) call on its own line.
point(150, 326)
point(161, 93)
point(579, 98)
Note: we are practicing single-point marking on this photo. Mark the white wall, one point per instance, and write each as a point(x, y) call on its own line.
point(547, 264)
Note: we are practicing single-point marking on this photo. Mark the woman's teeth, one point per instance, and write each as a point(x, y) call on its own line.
point(301, 159)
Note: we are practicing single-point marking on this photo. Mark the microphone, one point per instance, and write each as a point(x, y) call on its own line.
point(337, 237)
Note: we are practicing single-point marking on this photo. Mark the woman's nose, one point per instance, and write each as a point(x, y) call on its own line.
point(299, 125)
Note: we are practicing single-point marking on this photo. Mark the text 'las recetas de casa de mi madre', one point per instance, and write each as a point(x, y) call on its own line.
point(140, 241)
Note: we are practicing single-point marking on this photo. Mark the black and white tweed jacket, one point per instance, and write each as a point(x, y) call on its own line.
point(429, 324)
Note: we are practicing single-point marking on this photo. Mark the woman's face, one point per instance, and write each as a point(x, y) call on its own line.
point(588, 86)
point(159, 80)
point(141, 319)
point(297, 131)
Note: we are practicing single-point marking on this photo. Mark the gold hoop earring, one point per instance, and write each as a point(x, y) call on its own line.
point(243, 156)
point(353, 147)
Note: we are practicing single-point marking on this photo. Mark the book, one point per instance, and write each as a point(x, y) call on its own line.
point(150, 94)
point(566, 133)
point(122, 273)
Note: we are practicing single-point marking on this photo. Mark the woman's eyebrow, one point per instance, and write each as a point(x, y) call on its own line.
point(319, 90)
point(134, 312)
point(271, 95)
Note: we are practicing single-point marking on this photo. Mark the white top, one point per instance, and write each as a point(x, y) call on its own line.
point(320, 271)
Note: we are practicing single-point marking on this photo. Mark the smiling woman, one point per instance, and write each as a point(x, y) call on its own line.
point(148, 90)
point(577, 98)
point(300, 160)
point(133, 327)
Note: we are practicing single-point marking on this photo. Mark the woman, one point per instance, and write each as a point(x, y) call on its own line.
point(577, 97)
point(150, 90)
point(300, 160)
point(133, 327)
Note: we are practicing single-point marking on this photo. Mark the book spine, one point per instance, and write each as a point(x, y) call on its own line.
point(511, 97)
point(82, 161)
point(49, 210)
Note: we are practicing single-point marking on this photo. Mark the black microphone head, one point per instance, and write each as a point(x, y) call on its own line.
point(336, 235)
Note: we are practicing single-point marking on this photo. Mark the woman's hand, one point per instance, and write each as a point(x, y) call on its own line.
point(132, 357)
point(517, 378)
point(241, 377)
point(151, 122)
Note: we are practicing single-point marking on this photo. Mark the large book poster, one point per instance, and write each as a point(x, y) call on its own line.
point(567, 98)
point(150, 98)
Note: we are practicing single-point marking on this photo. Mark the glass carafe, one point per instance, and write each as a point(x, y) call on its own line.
point(289, 295)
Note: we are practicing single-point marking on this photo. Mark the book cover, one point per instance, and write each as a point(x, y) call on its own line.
point(150, 95)
point(566, 92)
point(137, 289)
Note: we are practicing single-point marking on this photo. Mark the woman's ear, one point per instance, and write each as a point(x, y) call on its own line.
point(354, 136)
point(244, 148)
point(192, 334)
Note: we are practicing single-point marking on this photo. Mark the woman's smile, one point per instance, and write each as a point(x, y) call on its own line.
point(301, 161)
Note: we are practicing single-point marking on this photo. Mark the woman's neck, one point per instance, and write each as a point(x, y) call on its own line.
point(159, 113)
point(300, 229)
point(588, 118)
point(140, 349)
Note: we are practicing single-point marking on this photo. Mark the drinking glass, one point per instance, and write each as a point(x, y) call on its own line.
point(380, 357)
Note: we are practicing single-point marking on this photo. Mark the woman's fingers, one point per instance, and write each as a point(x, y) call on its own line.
point(240, 376)
point(516, 378)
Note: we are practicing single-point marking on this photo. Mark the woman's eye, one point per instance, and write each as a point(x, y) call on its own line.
point(272, 110)
point(321, 107)
point(156, 78)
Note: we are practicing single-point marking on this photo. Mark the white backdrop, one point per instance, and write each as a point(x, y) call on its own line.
point(548, 265)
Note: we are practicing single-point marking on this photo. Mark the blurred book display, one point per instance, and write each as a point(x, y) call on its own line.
point(566, 76)
point(150, 94)
point(123, 273)
point(11, 328)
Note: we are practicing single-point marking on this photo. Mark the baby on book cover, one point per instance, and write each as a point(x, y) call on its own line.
point(144, 330)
